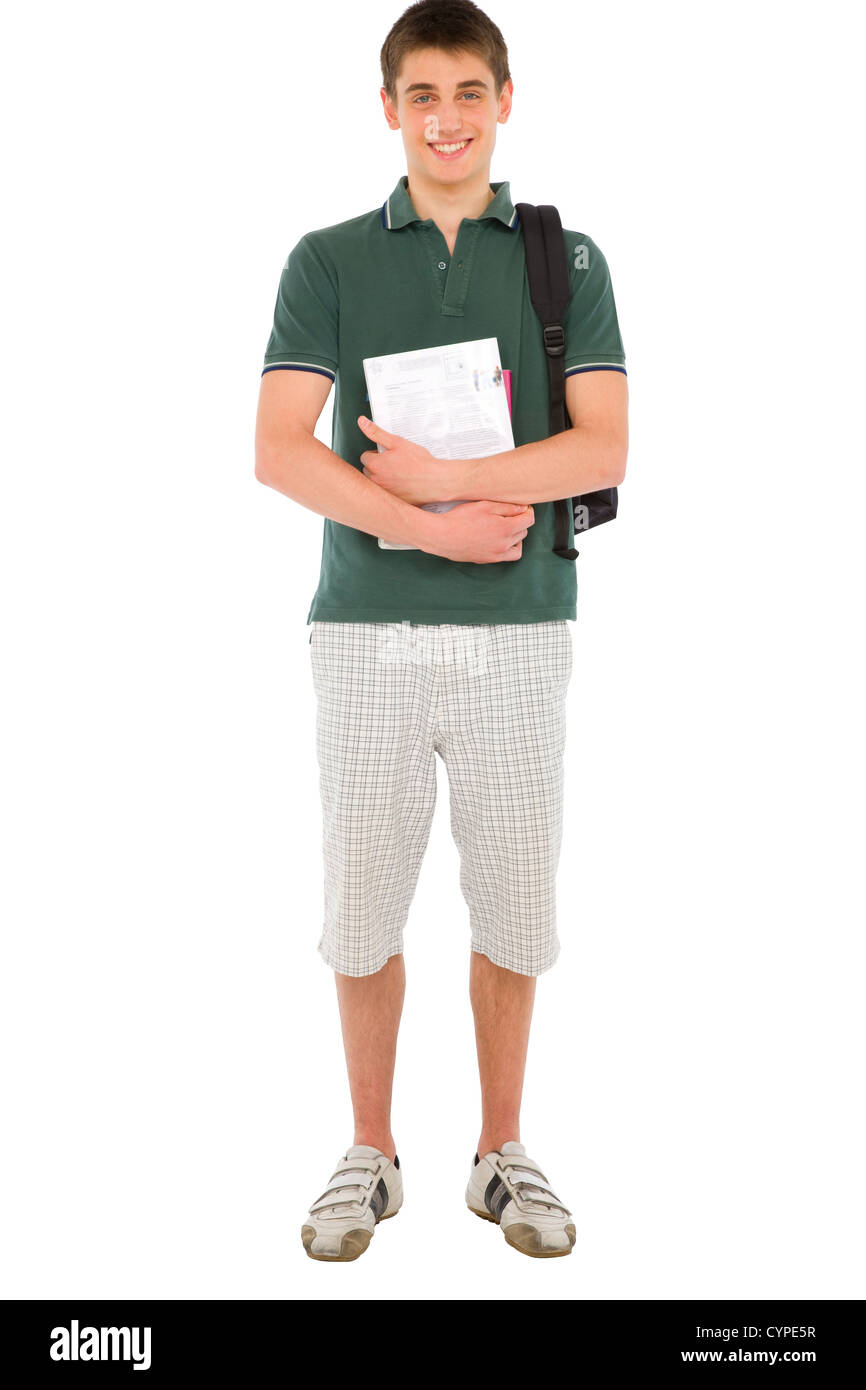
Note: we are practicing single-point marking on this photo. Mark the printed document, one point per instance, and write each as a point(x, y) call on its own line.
point(452, 400)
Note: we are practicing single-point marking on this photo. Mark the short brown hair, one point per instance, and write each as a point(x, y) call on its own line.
point(450, 25)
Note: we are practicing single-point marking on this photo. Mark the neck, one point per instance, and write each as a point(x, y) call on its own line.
point(447, 205)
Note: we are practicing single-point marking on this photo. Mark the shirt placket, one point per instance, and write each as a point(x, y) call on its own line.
point(453, 272)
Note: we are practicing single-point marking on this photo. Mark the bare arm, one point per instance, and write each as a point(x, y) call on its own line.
point(290, 459)
point(590, 455)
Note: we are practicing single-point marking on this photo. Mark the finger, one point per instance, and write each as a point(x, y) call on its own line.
point(375, 432)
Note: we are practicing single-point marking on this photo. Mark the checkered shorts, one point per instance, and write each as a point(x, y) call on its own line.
point(490, 700)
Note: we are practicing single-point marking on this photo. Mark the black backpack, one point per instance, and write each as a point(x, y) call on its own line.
point(550, 290)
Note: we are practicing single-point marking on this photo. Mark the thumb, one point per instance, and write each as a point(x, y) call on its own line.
point(374, 431)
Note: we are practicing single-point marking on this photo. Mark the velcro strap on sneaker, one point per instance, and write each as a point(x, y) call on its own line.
point(338, 1193)
point(516, 1161)
point(364, 1172)
point(529, 1185)
point(527, 1193)
point(547, 1198)
point(362, 1164)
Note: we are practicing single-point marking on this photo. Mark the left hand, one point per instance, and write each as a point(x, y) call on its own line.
point(408, 470)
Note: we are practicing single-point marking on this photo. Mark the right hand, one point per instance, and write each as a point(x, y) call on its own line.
point(481, 533)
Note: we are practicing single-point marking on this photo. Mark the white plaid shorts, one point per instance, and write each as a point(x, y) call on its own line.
point(489, 698)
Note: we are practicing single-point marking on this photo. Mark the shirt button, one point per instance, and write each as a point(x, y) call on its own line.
point(441, 265)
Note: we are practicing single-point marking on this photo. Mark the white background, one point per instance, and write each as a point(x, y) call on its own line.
point(173, 1092)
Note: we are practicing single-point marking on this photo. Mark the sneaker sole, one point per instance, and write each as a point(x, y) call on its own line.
point(529, 1235)
point(353, 1243)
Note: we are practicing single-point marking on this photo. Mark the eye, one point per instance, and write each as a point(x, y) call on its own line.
point(423, 97)
point(473, 94)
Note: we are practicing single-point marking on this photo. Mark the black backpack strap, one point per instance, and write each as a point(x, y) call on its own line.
point(550, 292)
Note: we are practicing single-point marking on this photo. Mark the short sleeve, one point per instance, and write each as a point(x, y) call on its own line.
point(592, 336)
point(305, 333)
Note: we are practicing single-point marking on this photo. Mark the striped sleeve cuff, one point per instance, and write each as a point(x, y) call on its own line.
point(595, 365)
point(298, 364)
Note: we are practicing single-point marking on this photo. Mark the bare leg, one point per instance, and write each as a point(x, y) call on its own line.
point(502, 1003)
point(370, 1009)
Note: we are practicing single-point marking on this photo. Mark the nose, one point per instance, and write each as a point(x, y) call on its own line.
point(449, 120)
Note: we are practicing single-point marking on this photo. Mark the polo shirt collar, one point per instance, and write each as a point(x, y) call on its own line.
point(398, 209)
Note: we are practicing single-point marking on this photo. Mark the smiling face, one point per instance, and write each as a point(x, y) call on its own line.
point(447, 109)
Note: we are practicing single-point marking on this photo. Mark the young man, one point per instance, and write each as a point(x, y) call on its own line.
point(459, 646)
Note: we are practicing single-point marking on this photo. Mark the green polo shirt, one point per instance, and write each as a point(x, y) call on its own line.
point(386, 282)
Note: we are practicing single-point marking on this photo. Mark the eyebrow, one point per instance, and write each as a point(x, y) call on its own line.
point(431, 86)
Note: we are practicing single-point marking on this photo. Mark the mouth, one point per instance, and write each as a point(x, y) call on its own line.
point(449, 150)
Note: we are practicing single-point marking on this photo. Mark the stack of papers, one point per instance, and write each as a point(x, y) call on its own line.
point(453, 400)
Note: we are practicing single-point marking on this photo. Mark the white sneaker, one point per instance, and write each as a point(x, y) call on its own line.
point(507, 1187)
point(366, 1187)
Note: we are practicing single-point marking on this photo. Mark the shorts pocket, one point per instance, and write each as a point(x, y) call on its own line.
point(558, 658)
